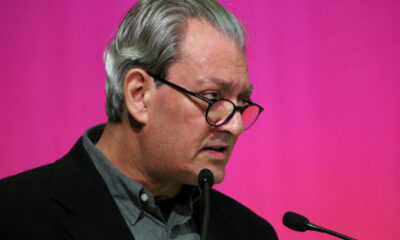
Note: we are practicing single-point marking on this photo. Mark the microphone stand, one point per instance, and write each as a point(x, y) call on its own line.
point(205, 180)
point(206, 214)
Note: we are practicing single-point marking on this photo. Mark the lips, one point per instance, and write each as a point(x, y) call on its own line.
point(216, 151)
point(218, 146)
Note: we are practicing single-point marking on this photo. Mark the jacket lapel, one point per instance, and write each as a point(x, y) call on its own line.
point(218, 217)
point(79, 188)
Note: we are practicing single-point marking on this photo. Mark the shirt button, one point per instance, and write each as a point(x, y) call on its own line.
point(174, 232)
point(144, 197)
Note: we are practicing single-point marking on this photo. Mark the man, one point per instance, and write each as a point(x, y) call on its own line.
point(178, 97)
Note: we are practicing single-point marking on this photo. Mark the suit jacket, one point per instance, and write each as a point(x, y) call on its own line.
point(69, 200)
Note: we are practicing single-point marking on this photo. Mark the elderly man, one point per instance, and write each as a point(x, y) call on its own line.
point(178, 97)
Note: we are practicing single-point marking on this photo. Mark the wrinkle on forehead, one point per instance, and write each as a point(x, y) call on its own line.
point(224, 85)
point(196, 33)
point(209, 57)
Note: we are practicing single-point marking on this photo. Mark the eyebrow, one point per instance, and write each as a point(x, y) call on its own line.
point(226, 85)
point(248, 91)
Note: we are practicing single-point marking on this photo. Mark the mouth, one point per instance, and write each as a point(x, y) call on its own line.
point(216, 151)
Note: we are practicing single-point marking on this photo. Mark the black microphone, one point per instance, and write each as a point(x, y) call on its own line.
point(205, 180)
point(299, 223)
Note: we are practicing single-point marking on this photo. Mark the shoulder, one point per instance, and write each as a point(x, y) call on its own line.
point(36, 181)
point(21, 198)
point(241, 220)
point(25, 190)
point(22, 183)
point(27, 201)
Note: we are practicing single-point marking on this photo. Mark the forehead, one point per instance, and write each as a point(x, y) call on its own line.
point(211, 56)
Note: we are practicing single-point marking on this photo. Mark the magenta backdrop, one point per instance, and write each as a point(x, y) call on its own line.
point(326, 72)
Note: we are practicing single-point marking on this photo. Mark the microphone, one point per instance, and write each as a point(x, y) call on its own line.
point(300, 223)
point(205, 180)
point(205, 177)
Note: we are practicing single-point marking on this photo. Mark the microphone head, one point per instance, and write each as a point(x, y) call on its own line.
point(204, 176)
point(295, 221)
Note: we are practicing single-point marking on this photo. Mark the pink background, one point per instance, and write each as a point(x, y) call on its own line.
point(326, 72)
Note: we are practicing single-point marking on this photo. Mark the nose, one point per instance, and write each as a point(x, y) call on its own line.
point(234, 125)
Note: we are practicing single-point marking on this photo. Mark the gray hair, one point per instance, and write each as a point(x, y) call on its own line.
point(149, 37)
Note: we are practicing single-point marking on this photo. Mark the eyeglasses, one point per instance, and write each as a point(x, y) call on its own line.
point(221, 110)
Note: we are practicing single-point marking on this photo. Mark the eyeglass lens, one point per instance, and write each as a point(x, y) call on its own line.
point(222, 109)
point(250, 115)
point(219, 111)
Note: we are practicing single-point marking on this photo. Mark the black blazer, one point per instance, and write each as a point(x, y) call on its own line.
point(69, 200)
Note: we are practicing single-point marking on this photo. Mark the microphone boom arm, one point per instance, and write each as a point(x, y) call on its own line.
point(314, 227)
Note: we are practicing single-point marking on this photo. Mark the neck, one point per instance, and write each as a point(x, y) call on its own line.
point(120, 144)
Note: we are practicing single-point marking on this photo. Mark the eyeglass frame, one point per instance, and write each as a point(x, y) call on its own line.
point(211, 102)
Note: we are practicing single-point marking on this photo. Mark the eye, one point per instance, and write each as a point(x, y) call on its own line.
point(243, 101)
point(212, 95)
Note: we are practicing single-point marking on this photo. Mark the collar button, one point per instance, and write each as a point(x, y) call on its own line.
point(144, 197)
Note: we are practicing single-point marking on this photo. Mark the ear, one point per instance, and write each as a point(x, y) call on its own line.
point(137, 85)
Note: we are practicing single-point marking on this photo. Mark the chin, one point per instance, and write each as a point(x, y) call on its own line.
point(219, 174)
point(218, 180)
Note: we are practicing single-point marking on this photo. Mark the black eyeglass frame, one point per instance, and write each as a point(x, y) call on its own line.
point(211, 102)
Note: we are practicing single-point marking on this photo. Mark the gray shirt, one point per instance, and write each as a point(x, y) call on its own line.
point(145, 219)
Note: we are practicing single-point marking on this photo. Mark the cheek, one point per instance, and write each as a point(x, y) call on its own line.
point(177, 121)
point(181, 126)
point(180, 111)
